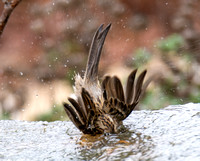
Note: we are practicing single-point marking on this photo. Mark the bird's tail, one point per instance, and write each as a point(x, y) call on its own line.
point(91, 73)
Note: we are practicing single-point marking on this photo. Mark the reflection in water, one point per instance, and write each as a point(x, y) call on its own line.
point(127, 144)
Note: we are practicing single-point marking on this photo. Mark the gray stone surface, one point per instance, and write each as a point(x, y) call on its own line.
point(169, 134)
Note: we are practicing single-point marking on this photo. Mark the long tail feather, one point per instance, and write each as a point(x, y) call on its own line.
point(95, 53)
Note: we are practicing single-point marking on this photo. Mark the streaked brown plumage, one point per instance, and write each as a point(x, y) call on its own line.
point(102, 108)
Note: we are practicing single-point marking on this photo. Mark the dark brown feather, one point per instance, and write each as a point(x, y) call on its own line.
point(130, 86)
point(88, 102)
point(108, 87)
point(112, 87)
point(137, 93)
point(116, 108)
point(138, 87)
point(91, 73)
point(117, 88)
point(73, 116)
point(81, 104)
point(79, 110)
point(104, 86)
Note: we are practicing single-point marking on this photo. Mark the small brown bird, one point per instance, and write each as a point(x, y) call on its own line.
point(102, 108)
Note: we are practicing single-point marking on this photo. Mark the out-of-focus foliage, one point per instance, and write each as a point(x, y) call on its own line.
point(171, 43)
point(5, 116)
point(177, 83)
point(141, 57)
point(156, 99)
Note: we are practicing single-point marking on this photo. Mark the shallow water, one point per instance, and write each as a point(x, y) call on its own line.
point(169, 134)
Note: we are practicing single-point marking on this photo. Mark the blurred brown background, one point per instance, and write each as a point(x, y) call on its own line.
point(46, 42)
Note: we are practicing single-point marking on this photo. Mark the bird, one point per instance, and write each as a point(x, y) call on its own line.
point(100, 107)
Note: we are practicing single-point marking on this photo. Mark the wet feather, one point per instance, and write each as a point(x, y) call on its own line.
point(101, 108)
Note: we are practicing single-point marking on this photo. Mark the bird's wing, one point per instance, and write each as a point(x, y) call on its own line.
point(130, 86)
point(74, 117)
point(112, 87)
point(114, 104)
point(77, 115)
point(90, 105)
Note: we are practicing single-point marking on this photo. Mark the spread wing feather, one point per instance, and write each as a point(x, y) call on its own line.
point(79, 110)
point(130, 86)
point(73, 116)
point(115, 104)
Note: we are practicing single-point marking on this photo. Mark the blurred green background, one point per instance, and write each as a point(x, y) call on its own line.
point(46, 42)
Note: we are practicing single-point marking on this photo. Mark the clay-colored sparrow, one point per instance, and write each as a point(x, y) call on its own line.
point(101, 108)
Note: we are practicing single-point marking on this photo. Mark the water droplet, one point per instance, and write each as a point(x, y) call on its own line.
point(127, 40)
